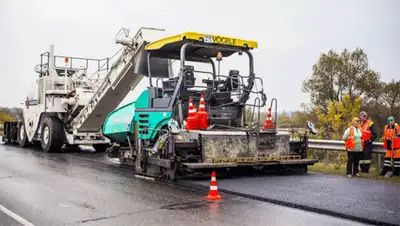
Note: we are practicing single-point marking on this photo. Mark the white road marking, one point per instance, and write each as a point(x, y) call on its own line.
point(15, 216)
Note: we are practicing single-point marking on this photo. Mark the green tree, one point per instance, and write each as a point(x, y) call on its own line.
point(284, 120)
point(252, 118)
point(336, 75)
point(391, 94)
point(5, 117)
point(14, 112)
point(332, 123)
point(384, 102)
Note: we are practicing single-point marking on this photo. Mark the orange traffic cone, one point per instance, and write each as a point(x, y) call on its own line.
point(213, 194)
point(196, 120)
point(271, 124)
point(202, 115)
point(191, 120)
point(268, 121)
point(266, 125)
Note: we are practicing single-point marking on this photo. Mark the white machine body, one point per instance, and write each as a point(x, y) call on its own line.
point(81, 100)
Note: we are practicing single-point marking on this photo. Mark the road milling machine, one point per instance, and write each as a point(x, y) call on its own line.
point(74, 95)
point(196, 121)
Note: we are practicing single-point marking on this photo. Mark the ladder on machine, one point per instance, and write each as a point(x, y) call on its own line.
point(124, 75)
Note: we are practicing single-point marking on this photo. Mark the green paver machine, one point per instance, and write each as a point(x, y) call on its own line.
point(151, 135)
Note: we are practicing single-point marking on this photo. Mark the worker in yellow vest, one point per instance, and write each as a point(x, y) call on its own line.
point(369, 134)
point(391, 142)
point(354, 146)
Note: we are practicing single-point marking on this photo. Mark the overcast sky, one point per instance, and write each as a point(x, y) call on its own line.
point(291, 35)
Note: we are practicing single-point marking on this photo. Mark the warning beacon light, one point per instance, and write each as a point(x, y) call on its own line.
point(219, 56)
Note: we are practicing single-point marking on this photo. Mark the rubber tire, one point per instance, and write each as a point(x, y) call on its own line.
point(101, 147)
point(56, 135)
point(5, 135)
point(303, 168)
point(8, 139)
point(22, 141)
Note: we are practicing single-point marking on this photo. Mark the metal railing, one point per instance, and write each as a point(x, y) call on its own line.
point(338, 145)
point(329, 146)
point(333, 145)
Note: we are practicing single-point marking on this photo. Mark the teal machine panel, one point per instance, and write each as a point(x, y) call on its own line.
point(121, 122)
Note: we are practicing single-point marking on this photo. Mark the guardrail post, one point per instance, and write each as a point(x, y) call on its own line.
point(378, 162)
point(326, 159)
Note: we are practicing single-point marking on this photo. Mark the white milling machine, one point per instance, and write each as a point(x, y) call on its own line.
point(70, 106)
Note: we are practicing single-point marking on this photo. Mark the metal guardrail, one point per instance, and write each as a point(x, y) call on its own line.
point(338, 145)
point(332, 145)
point(326, 146)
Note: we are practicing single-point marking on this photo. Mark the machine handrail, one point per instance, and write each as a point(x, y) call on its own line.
point(107, 63)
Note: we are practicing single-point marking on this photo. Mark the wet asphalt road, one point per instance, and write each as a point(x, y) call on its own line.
point(376, 201)
point(6, 220)
point(90, 189)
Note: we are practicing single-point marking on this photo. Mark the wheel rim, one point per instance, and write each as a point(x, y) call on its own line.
point(46, 135)
point(22, 132)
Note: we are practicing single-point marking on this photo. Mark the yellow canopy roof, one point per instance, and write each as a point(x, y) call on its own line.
point(171, 45)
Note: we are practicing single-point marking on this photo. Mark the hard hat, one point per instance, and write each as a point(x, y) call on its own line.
point(390, 118)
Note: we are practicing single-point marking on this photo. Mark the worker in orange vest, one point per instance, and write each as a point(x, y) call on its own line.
point(354, 146)
point(369, 134)
point(391, 142)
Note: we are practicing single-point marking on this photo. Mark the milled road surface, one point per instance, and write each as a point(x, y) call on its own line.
point(372, 201)
point(89, 189)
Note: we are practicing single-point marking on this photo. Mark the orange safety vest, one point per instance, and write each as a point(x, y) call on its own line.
point(396, 154)
point(365, 130)
point(390, 134)
point(351, 142)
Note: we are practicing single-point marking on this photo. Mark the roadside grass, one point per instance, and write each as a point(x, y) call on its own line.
point(341, 171)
